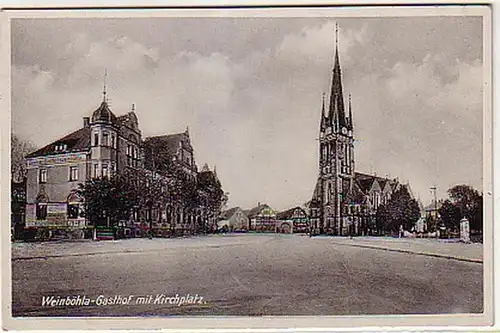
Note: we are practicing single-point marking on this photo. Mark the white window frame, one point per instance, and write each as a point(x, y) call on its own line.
point(42, 176)
point(73, 173)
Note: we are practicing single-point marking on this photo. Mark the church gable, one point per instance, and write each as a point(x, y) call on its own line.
point(375, 187)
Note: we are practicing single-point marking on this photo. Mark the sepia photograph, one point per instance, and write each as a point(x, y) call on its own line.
point(250, 163)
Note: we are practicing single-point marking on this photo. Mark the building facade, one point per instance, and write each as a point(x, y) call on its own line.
point(106, 145)
point(262, 218)
point(344, 201)
point(293, 220)
point(234, 219)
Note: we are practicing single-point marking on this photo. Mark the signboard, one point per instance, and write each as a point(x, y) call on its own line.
point(105, 233)
point(58, 159)
point(79, 223)
point(56, 208)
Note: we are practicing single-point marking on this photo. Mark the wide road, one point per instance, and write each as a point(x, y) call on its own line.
point(250, 275)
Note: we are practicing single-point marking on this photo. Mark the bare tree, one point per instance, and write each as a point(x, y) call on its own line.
point(19, 149)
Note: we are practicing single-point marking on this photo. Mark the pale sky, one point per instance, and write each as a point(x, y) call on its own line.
point(250, 92)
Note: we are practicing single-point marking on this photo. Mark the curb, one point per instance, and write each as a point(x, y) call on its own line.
point(427, 254)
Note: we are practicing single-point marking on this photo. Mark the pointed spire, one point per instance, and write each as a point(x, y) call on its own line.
point(205, 168)
point(187, 131)
point(323, 116)
point(104, 89)
point(215, 170)
point(133, 107)
point(336, 110)
point(349, 122)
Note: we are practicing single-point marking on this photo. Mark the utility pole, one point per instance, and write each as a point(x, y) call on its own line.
point(433, 189)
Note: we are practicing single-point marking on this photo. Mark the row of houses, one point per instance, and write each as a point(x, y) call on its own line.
point(263, 218)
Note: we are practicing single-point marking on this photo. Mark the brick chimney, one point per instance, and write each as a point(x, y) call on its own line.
point(86, 121)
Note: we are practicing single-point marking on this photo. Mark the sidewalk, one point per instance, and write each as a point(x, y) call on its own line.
point(441, 248)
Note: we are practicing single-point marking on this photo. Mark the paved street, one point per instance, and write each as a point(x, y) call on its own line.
point(241, 275)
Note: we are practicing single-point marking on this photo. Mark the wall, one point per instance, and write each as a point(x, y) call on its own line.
point(57, 187)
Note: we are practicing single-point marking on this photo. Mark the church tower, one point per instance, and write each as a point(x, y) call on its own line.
point(336, 156)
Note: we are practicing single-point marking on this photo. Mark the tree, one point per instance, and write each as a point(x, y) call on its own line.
point(107, 200)
point(19, 149)
point(450, 215)
point(402, 210)
point(381, 218)
point(469, 202)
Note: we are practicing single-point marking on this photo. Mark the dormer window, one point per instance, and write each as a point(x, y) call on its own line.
point(61, 147)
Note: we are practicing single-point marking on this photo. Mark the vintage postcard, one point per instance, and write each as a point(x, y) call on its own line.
point(248, 167)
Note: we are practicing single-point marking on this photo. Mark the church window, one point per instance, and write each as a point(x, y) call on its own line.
point(96, 170)
point(113, 141)
point(96, 139)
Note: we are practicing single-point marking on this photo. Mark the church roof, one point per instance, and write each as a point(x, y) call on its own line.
point(365, 181)
point(76, 141)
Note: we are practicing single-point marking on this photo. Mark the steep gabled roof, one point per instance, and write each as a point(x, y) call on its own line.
point(287, 214)
point(365, 181)
point(172, 141)
point(255, 211)
point(76, 141)
point(227, 214)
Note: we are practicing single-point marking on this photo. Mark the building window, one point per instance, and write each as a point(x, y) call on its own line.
point(113, 142)
point(96, 139)
point(105, 139)
point(96, 170)
point(73, 173)
point(73, 209)
point(42, 176)
point(41, 211)
point(105, 170)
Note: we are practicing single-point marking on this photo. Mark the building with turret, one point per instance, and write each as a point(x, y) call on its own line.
point(344, 201)
point(105, 145)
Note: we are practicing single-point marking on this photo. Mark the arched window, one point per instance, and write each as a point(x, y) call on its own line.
point(41, 206)
point(74, 203)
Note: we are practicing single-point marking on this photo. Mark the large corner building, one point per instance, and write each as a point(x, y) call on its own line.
point(105, 144)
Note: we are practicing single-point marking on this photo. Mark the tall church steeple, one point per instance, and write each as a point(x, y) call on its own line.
point(336, 112)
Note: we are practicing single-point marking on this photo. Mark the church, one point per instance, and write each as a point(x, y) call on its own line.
point(344, 201)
